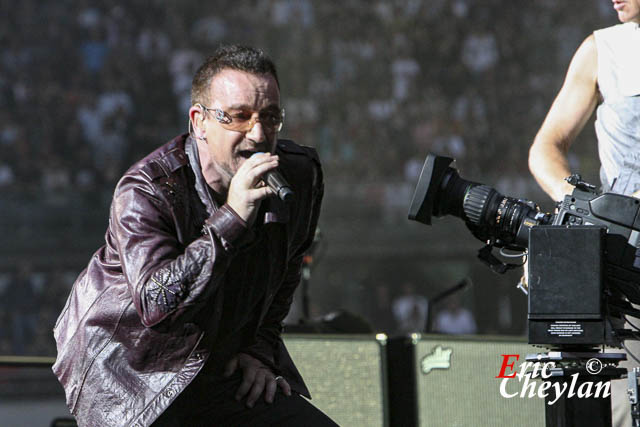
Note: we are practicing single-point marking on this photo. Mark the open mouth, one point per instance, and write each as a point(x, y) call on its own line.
point(245, 154)
point(258, 148)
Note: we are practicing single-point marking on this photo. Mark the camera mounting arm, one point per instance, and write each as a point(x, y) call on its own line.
point(486, 256)
point(576, 180)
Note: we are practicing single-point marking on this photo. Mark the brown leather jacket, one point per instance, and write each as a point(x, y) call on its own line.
point(147, 313)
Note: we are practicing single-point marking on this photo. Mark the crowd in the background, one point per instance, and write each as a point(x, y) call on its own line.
point(89, 87)
point(30, 301)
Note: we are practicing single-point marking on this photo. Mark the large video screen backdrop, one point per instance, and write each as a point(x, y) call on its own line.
point(89, 87)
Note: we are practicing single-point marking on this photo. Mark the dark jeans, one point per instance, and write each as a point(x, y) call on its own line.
point(211, 402)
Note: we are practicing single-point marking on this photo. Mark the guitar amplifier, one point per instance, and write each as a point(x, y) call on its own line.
point(444, 380)
point(346, 375)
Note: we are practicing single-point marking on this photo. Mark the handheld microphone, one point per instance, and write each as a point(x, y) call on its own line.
point(279, 185)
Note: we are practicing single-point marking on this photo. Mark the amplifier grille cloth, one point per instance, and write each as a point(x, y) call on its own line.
point(345, 377)
point(468, 393)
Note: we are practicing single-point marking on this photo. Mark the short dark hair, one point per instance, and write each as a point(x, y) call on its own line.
point(233, 57)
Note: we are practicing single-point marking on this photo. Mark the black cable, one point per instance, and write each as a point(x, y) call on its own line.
point(631, 354)
point(626, 319)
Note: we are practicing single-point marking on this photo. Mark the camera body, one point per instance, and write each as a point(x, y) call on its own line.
point(566, 303)
point(583, 269)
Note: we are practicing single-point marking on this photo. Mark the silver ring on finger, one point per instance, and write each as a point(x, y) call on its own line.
point(279, 377)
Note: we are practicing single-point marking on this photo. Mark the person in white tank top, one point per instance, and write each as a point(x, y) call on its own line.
point(603, 76)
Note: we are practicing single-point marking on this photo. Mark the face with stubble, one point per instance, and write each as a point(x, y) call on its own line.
point(628, 10)
point(241, 97)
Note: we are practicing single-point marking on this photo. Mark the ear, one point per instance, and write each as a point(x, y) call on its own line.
point(196, 119)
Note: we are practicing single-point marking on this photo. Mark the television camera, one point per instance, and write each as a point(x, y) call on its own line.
point(583, 270)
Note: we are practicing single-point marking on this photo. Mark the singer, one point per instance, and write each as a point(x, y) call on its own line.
point(177, 319)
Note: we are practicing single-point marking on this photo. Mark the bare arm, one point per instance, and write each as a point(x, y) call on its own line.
point(569, 112)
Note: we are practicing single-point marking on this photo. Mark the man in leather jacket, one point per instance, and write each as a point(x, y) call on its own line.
point(177, 318)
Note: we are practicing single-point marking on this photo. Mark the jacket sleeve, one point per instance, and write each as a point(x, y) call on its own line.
point(168, 282)
point(269, 338)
